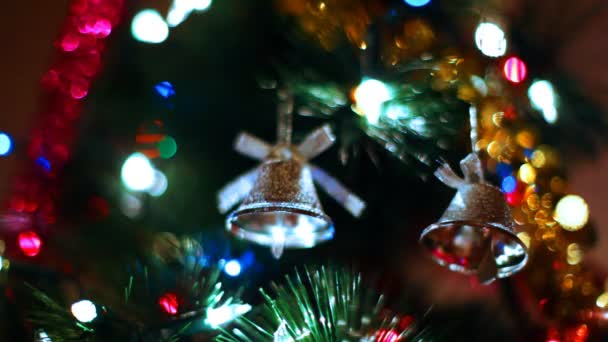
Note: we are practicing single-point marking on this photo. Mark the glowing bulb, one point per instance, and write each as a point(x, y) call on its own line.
point(417, 3)
point(369, 97)
point(160, 184)
point(225, 314)
point(29, 243)
point(84, 311)
point(542, 97)
point(490, 40)
point(602, 300)
point(232, 268)
point(149, 27)
point(137, 173)
point(527, 173)
point(571, 212)
point(515, 70)
point(6, 144)
point(181, 9)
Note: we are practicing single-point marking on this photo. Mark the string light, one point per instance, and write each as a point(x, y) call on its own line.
point(225, 314)
point(148, 26)
point(542, 97)
point(181, 9)
point(369, 97)
point(490, 39)
point(417, 3)
point(6, 144)
point(515, 70)
point(84, 311)
point(571, 212)
point(29, 243)
point(160, 184)
point(137, 173)
point(232, 268)
point(168, 303)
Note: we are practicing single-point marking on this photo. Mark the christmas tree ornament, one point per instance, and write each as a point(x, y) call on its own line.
point(476, 234)
point(280, 207)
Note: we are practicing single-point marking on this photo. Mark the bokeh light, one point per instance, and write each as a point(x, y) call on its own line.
point(29, 243)
point(542, 97)
point(165, 89)
point(232, 268)
point(181, 9)
point(527, 173)
point(137, 173)
point(574, 254)
point(169, 304)
point(602, 300)
point(84, 311)
point(509, 184)
point(490, 39)
point(571, 212)
point(148, 26)
point(515, 70)
point(369, 97)
point(167, 147)
point(417, 3)
point(160, 184)
point(130, 205)
point(225, 313)
point(6, 144)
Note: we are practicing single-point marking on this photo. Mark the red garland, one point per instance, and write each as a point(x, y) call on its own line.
point(80, 46)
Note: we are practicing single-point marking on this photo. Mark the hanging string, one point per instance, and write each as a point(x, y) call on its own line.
point(285, 117)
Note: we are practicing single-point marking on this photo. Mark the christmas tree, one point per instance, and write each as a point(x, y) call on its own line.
point(286, 171)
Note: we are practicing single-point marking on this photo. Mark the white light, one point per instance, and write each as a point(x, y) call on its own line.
point(369, 97)
point(542, 97)
point(397, 112)
point(137, 173)
point(148, 26)
point(571, 212)
point(84, 311)
point(225, 314)
point(6, 144)
point(160, 184)
point(232, 268)
point(130, 205)
point(490, 39)
point(181, 9)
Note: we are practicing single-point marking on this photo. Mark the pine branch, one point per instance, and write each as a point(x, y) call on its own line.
point(319, 304)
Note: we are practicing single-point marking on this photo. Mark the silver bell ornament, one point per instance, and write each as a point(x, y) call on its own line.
point(476, 233)
point(280, 207)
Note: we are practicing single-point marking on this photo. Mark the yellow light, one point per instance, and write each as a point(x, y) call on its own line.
point(602, 300)
point(538, 159)
point(571, 212)
point(525, 238)
point(525, 139)
point(574, 254)
point(527, 173)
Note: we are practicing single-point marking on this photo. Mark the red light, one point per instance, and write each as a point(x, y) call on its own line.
point(30, 243)
point(384, 335)
point(168, 303)
point(515, 70)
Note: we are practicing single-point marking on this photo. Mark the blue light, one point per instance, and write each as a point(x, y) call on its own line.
point(6, 144)
point(417, 3)
point(504, 170)
point(165, 89)
point(509, 184)
point(232, 268)
point(44, 163)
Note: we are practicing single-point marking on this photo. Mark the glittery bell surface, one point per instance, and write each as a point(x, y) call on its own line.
point(282, 209)
point(475, 235)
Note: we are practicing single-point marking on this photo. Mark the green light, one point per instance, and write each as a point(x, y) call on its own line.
point(167, 147)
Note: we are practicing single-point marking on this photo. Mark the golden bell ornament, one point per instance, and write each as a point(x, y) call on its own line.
point(475, 235)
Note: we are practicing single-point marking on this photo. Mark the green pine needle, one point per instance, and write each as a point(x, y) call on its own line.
point(320, 304)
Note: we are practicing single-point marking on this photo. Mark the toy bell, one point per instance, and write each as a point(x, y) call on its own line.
point(475, 234)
